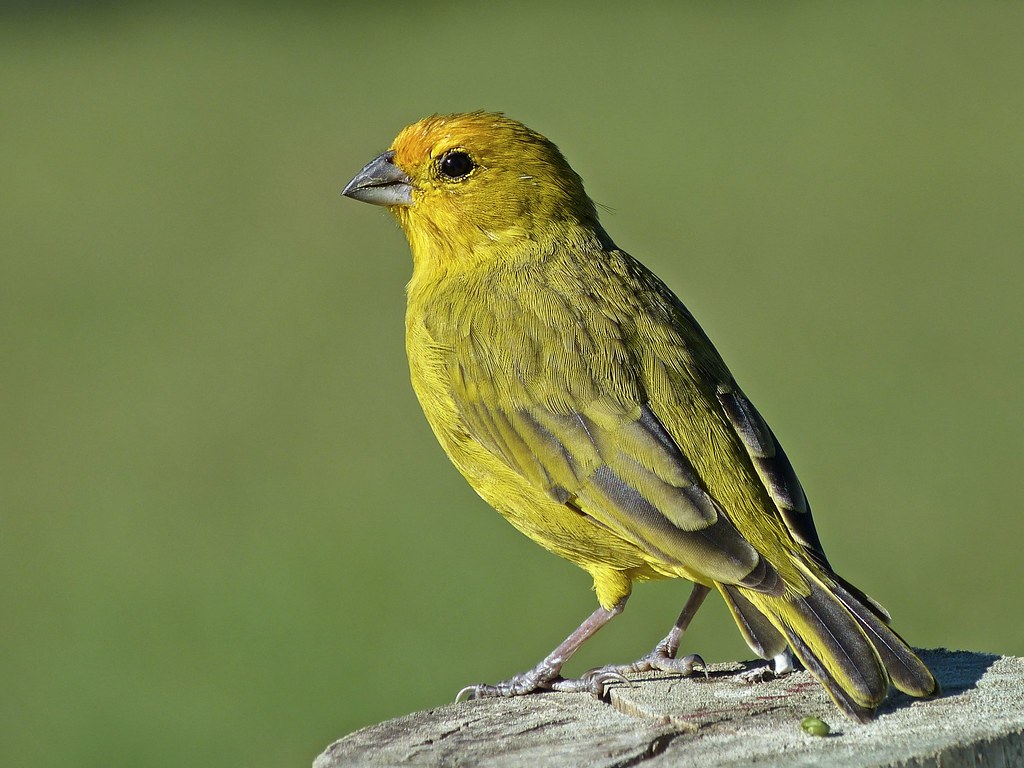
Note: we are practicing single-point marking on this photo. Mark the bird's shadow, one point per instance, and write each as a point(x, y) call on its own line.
point(955, 672)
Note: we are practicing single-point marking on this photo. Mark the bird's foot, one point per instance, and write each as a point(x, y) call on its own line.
point(519, 685)
point(595, 682)
point(546, 676)
point(658, 660)
point(780, 666)
point(540, 678)
point(760, 674)
point(662, 662)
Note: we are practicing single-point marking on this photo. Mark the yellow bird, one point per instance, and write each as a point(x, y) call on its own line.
point(581, 399)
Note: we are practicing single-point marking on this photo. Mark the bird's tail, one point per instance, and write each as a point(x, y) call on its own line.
point(841, 639)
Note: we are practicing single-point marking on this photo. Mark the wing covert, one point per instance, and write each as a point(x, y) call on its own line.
point(618, 464)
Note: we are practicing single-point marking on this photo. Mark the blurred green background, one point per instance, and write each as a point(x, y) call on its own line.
point(228, 536)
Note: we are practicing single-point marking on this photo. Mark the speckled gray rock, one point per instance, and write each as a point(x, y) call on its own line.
point(661, 720)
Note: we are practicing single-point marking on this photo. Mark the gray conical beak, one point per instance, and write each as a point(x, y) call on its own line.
point(381, 182)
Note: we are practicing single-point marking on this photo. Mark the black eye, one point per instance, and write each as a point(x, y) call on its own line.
point(456, 164)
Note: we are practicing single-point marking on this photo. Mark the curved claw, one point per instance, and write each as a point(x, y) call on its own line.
point(472, 691)
point(601, 682)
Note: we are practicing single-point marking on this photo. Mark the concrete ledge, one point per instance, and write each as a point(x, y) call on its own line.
point(662, 720)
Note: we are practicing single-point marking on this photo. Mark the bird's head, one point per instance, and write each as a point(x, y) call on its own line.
point(477, 186)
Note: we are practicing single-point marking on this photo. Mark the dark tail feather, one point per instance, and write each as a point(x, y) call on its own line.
point(761, 635)
point(908, 673)
point(839, 638)
point(835, 690)
point(864, 599)
point(834, 638)
point(830, 643)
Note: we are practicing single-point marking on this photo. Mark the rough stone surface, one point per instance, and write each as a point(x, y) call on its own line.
point(660, 720)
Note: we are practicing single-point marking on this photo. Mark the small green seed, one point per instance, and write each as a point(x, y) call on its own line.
point(814, 726)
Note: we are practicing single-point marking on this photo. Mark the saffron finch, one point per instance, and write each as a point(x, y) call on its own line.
point(581, 399)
